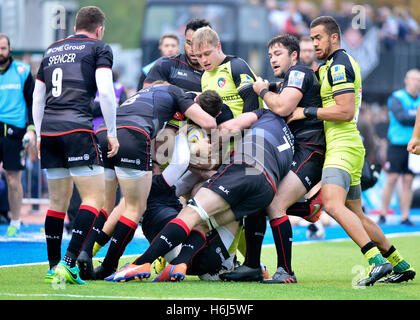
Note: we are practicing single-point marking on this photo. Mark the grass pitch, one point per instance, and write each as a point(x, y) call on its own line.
point(324, 270)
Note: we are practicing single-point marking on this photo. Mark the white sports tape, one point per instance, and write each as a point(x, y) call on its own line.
point(211, 221)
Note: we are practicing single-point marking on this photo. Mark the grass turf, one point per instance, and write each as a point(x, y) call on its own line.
point(324, 270)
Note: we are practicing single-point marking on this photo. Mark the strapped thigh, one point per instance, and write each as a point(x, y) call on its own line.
point(211, 221)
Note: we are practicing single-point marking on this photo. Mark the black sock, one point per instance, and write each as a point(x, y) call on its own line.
point(82, 226)
point(54, 223)
point(255, 226)
point(282, 234)
point(102, 238)
point(174, 233)
point(96, 230)
point(190, 247)
point(123, 233)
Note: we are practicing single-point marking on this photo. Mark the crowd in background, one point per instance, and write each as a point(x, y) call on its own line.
point(394, 23)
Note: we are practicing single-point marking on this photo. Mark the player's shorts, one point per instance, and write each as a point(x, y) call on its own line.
point(134, 152)
point(12, 154)
point(245, 193)
point(349, 159)
point(342, 178)
point(308, 160)
point(156, 217)
point(397, 159)
point(76, 149)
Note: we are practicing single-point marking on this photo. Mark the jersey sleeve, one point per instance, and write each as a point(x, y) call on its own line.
point(182, 100)
point(159, 71)
point(260, 112)
point(104, 56)
point(244, 78)
point(299, 78)
point(40, 74)
point(341, 76)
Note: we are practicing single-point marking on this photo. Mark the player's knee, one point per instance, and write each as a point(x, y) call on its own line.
point(13, 179)
point(331, 207)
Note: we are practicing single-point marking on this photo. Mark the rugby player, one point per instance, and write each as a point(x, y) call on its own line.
point(71, 72)
point(341, 89)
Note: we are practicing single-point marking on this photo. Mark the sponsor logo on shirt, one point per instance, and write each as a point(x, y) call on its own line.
point(221, 82)
point(246, 80)
point(296, 79)
point(338, 74)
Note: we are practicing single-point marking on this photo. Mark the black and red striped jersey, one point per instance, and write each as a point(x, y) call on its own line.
point(176, 71)
point(150, 108)
point(68, 70)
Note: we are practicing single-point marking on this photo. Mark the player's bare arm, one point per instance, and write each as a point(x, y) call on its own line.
point(200, 117)
point(343, 110)
point(282, 104)
point(414, 144)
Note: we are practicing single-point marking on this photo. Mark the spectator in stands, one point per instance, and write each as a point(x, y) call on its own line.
point(408, 28)
point(276, 17)
point(403, 106)
point(388, 26)
point(307, 53)
point(168, 46)
point(16, 88)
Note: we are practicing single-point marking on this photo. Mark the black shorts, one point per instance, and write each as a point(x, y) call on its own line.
point(76, 149)
point(308, 161)
point(245, 193)
point(397, 159)
point(156, 217)
point(12, 154)
point(134, 152)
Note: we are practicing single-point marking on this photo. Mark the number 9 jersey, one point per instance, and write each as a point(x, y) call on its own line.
point(68, 71)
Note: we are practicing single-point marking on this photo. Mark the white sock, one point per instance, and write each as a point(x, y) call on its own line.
point(15, 223)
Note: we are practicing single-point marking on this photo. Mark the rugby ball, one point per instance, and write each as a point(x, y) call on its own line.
point(195, 134)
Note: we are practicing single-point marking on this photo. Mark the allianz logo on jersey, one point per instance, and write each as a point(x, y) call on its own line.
point(65, 47)
point(78, 158)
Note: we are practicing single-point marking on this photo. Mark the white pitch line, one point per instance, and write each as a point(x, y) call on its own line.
point(24, 295)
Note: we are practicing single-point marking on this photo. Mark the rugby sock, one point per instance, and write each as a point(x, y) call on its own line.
point(123, 233)
point(54, 223)
point(96, 230)
point(174, 233)
point(101, 240)
point(193, 244)
point(15, 223)
point(82, 227)
point(282, 234)
point(397, 261)
point(372, 254)
point(255, 227)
